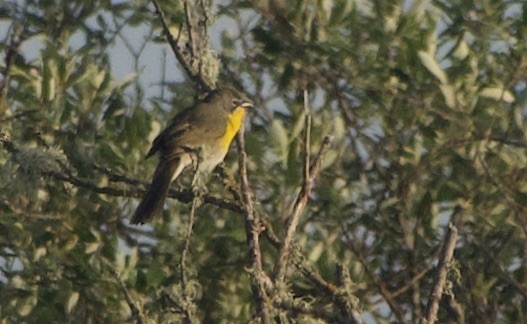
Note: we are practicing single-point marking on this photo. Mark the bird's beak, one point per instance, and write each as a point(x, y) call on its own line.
point(247, 105)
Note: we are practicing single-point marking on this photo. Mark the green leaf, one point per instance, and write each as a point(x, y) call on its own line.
point(72, 301)
point(498, 94)
point(430, 63)
point(449, 94)
point(280, 139)
point(155, 274)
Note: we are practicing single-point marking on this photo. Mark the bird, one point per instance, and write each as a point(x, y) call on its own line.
point(197, 138)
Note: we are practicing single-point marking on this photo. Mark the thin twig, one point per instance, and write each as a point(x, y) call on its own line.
point(299, 260)
point(114, 177)
point(310, 171)
point(307, 141)
point(346, 300)
point(414, 279)
point(163, 73)
point(381, 286)
point(270, 234)
point(17, 38)
point(253, 228)
point(205, 16)
point(296, 308)
point(187, 66)
point(186, 247)
point(137, 314)
point(190, 30)
point(342, 295)
point(445, 261)
point(298, 208)
point(183, 260)
point(310, 272)
point(18, 115)
point(509, 142)
point(203, 24)
point(29, 215)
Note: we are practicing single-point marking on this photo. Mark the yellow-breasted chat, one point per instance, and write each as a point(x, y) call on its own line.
point(197, 138)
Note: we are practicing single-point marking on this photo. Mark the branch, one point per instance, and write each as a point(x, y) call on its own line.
point(445, 261)
point(296, 308)
point(137, 314)
point(510, 142)
point(310, 172)
point(185, 196)
point(260, 280)
point(346, 300)
point(17, 115)
point(195, 76)
point(416, 278)
point(311, 273)
point(190, 29)
point(183, 266)
point(341, 295)
point(17, 38)
point(381, 286)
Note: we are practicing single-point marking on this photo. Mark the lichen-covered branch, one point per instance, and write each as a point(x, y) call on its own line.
point(186, 60)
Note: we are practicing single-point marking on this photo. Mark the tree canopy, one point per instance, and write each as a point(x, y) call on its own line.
point(381, 178)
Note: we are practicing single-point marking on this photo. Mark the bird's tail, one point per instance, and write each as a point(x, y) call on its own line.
point(152, 204)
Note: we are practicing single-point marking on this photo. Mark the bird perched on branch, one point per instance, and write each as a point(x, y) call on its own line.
point(197, 138)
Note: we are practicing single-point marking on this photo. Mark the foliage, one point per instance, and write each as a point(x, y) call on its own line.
point(425, 101)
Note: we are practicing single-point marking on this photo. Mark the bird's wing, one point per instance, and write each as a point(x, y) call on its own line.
point(190, 128)
point(178, 126)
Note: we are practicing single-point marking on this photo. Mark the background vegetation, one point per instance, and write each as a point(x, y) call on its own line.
point(418, 111)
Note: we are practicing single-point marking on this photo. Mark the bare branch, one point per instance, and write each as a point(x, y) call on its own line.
point(445, 261)
point(381, 286)
point(414, 279)
point(137, 314)
point(259, 279)
point(310, 172)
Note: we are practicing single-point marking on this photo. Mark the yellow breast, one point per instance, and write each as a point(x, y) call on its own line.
point(234, 123)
